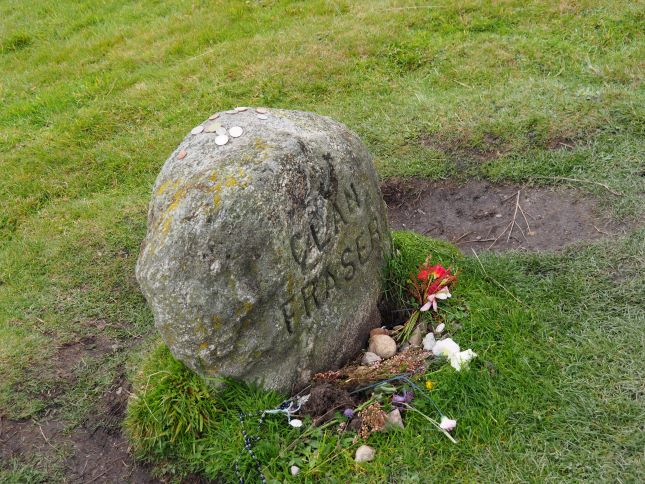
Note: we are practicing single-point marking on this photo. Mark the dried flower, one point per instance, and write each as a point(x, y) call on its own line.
point(405, 397)
point(348, 412)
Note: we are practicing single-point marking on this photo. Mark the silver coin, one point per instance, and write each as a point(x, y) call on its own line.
point(240, 109)
point(212, 127)
point(235, 131)
point(261, 110)
point(197, 129)
point(221, 140)
point(213, 116)
point(231, 111)
point(221, 130)
point(263, 116)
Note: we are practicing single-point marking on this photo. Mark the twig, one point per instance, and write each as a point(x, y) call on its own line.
point(581, 180)
point(497, 238)
point(513, 223)
point(467, 233)
point(602, 231)
point(478, 240)
point(45, 437)
point(525, 219)
point(494, 280)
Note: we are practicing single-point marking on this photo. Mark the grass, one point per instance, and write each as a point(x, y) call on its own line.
point(95, 96)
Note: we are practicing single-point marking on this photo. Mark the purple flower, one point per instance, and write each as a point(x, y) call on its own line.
point(348, 412)
point(405, 397)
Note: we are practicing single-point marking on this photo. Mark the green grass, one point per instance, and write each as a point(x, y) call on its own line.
point(96, 95)
point(552, 395)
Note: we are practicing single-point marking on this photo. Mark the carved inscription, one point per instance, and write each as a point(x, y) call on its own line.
point(308, 247)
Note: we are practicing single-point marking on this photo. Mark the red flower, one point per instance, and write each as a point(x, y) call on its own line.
point(438, 271)
point(423, 275)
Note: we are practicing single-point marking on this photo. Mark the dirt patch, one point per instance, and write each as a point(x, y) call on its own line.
point(325, 400)
point(70, 355)
point(480, 214)
point(95, 452)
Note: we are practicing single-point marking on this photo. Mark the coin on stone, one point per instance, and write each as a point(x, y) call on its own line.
point(212, 127)
point(263, 116)
point(222, 139)
point(221, 130)
point(213, 116)
point(182, 154)
point(197, 129)
point(261, 110)
point(235, 131)
point(240, 109)
point(231, 111)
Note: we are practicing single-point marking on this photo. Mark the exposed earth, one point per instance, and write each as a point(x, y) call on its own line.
point(479, 215)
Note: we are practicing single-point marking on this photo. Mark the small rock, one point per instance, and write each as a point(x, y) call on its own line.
point(382, 345)
point(295, 470)
point(417, 335)
point(370, 358)
point(394, 420)
point(376, 331)
point(364, 454)
point(440, 328)
point(429, 341)
point(404, 347)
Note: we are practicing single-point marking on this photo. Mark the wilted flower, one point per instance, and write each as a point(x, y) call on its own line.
point(405, 397)
point(448, 348)
point(348, 412)
point(461, 359)
point(444, 347)
point(447, 424)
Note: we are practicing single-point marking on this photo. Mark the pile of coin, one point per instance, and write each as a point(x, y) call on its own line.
point(222, 134)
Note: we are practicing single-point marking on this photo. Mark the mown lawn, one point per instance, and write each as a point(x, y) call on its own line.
point(96, 95)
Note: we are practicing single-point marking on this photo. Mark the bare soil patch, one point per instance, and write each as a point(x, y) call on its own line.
point(481, 215)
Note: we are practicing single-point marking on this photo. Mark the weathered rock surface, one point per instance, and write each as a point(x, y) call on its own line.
point(263, 256)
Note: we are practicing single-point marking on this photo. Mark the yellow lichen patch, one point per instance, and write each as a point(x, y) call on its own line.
point(165, 228)
point(203, 346)
point(260, 144)
point(230, 182)
point(213, 176)
point(217, 323)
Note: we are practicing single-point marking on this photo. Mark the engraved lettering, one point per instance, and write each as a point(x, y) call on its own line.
point(348, 264)
point(338, 215)
point(361, 249)
point(352, 198)
point(308, 295)
point(288, 313)
point(320, 244)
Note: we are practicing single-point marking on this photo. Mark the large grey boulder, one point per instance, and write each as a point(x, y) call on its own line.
point(263, 258)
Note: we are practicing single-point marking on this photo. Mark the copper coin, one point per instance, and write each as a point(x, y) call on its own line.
point(261, 110)
point(213, 116)
point(182, 154)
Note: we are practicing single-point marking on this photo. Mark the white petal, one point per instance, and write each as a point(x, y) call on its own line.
point(440, 328)
point(426, 306)
point(445, 347)
point(429, 342)
point(296, 423)
point(447, 423)
point(443, 293)
point(460, 359)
